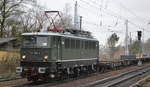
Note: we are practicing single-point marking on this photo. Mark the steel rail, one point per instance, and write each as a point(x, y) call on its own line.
point(114, 80)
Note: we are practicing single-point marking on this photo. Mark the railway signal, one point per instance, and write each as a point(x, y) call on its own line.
point(139, 33)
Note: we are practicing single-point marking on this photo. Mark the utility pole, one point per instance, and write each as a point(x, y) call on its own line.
point(101, 15)
point(130, 42)
point(76, 15)
point(80, 23)
point(143, 48)
point(130, 39)
point(140, 51)
point(126, 39)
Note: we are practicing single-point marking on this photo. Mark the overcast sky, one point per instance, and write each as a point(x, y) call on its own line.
point(136, 11)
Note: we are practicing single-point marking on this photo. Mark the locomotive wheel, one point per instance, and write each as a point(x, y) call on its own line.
point(29, 78)
point(33, 78)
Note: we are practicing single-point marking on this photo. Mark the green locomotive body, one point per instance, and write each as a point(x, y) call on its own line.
point(53, 55)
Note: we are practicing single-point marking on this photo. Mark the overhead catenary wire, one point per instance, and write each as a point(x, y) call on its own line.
point(94, 12)
point(129, 11)
point(109, 12)
point(97, 6)
point(105, 27)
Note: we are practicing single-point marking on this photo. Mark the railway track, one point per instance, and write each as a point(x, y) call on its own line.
point(77, 82)
point(115, 79)
point(50, 83)
point(121, 80)
point(8, 77)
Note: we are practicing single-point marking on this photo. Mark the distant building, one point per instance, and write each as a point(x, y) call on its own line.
point(7, 43)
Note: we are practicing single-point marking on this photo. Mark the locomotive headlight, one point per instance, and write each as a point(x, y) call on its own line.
point(45, 57)
point(24, 56)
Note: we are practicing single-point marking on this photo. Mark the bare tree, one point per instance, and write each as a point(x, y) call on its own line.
point(8, 9)
point(67, 18)
point(27, 21)
point(135, 47)
point(33, 19)
point(147, 46)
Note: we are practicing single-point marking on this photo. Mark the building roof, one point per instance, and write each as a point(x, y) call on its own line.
point(6, 40)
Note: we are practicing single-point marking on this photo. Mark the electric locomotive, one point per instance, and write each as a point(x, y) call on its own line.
point(53, 55)
point(57, 53)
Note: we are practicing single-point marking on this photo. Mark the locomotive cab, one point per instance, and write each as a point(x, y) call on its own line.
point(37, 48)
point(39, 54)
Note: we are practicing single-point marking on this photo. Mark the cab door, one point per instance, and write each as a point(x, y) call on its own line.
point(56, 48)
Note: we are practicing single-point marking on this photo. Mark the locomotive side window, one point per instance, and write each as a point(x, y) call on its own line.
point(82, 44)
point(86, 44)
point(77, 43)
point(73, 43)
point(90, 44)
point(67, 44)
point(94, 45)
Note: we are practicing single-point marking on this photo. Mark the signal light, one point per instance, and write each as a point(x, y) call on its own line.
point(139, 34)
